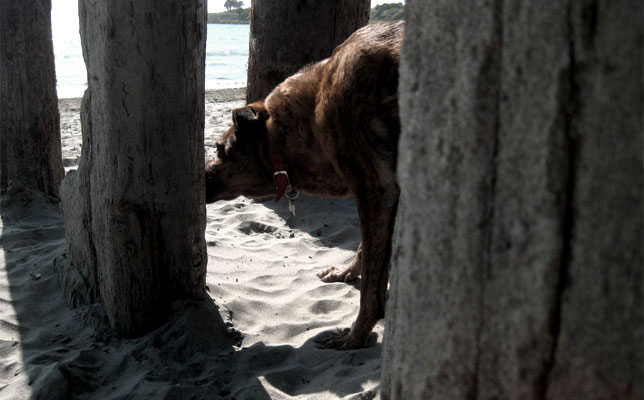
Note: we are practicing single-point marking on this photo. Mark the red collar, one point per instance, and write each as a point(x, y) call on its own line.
point(280, 176)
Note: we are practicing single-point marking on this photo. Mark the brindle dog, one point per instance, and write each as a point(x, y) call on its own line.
point(332, 130)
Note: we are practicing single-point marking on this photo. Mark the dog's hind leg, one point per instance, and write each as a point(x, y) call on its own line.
point(350, 272)
point(377, 211)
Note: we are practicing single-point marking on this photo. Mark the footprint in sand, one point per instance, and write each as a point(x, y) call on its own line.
point(249, 227)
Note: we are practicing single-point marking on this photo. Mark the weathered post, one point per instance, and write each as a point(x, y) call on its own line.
point(517, 269)
point(135, 209)
point(29, 118)
point(289, 34)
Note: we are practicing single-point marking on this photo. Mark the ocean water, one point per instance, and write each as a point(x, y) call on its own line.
point(226, 58)
point(226, 55)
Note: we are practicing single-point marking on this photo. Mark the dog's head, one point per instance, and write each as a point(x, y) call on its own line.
point(241, 165)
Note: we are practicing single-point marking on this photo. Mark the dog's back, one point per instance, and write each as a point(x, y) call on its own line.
point(358, 94)
point(365, 66)
point(346, 104)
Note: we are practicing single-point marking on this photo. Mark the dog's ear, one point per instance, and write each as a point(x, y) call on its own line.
point(249, 121)
point(245, 117)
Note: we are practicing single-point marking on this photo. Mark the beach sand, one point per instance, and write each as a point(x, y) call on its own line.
point(253, 337)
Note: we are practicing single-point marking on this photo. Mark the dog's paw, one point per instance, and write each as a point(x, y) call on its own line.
point(341, 340)
point(335, 274)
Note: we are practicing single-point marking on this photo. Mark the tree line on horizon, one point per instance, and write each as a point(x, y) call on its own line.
point(235, 14)
point(387, 12)
point(230, 4)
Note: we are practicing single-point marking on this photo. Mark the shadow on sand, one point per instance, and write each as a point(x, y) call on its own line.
point(314, 215)
point(53, 352)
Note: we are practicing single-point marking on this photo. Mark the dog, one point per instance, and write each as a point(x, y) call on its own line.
point(330, 130)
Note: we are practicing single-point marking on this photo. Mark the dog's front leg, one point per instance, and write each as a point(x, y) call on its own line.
point(377, 212)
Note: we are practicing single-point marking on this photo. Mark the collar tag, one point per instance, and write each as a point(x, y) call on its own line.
point(292, 195)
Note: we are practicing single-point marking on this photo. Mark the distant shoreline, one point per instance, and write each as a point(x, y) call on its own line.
point(232, 17)
point(228, 23)
point(380, 13)
point(217, 95)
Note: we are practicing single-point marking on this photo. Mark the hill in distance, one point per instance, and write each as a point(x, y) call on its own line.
point(235, 16)
point(387, 12)
point(380, 13)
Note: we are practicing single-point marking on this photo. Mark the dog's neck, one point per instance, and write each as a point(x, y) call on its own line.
point(280, 175)
point(292, 128)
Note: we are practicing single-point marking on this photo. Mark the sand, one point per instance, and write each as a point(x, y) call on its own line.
point(252, 337)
